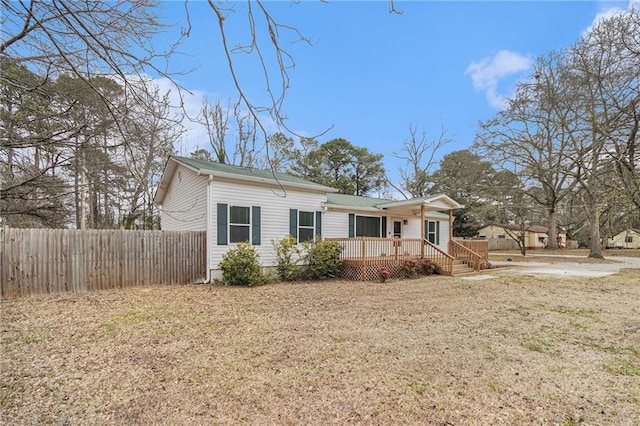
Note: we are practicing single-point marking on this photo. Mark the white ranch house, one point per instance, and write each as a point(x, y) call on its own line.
point(629, 238)
point(234, 204)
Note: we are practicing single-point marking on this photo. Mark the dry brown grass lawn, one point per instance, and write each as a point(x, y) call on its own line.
point(517, 350)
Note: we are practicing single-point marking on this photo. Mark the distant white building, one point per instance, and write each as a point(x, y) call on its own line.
point(629, 238)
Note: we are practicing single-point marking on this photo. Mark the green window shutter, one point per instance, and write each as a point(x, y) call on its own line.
point(437, 232)
point(222, 224)
point(352, 225)
point(426, 230)
point(293, 223)
point(319, 224)
point(384, 227)
point(255, 225)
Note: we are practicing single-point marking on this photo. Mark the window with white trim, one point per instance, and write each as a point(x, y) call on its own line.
point(239, 224)
point(432, 232)
point(306, 226)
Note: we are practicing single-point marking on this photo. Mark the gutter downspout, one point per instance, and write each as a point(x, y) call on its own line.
point(207, 278)
point(324, 209)
point(450, 227)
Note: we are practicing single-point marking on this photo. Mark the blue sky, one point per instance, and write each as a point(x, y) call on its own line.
point(370, 74)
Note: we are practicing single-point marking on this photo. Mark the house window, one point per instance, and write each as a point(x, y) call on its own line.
point(628, 239)
point(306, 226)
point(502, 236)
point(431, 231)
point(368, 226)
point(239, 224)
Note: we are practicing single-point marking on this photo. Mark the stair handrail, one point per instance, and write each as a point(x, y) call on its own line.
point(447, 258)
point(438, 249)
point(477, 258)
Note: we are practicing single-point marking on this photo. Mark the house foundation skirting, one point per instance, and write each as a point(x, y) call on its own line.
point(357, 270)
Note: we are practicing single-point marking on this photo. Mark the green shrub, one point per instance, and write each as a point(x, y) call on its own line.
point(287, 258)
point(321, 258)
point(241, 266)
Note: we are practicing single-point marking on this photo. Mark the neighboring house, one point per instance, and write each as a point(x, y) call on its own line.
point(629, 238)
point(535, 236)
point(234, 204)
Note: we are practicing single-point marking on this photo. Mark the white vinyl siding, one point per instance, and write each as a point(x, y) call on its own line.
point(335, 224)
point(412, 228)
point(275, 205)
point(184, 207)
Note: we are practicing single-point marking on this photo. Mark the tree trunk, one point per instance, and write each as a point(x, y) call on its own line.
point(81, 201)
point(76, 186)
point(552, 236)
point(595, 245)
point(523, 247)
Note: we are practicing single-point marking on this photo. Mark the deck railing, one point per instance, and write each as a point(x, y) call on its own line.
point(443, 259)
point(462, 252)
point(369, 251)
point(481, 247)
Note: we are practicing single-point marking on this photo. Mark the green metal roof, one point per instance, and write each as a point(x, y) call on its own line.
point(210, 166)
point(355, 200)
point(361, 202)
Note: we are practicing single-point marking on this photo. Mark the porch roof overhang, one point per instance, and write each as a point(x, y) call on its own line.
point(436, 203)
point(414, 206)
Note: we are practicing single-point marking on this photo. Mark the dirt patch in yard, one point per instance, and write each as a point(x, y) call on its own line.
point(439, 350)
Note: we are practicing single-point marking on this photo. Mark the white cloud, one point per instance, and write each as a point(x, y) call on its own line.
point(603, 14)
point(608, 12)
point(487, 73)
point(190, 104)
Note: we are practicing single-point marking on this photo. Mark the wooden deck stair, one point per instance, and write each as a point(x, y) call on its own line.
point(468, 256)
point(462, 268)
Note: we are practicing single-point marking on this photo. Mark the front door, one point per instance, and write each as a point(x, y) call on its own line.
point(397, 229)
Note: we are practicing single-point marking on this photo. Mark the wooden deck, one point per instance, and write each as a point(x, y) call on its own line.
point(362, 258)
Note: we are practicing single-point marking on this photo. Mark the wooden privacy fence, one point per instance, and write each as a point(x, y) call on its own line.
point(43, 261)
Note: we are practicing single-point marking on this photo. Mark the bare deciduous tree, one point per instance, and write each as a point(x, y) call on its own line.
point(150, 136)
point(605, 76)
point(215, 119)
point(532, 137)
point(419, 154)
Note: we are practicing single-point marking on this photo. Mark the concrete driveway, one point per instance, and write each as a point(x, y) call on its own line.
point(561, 268)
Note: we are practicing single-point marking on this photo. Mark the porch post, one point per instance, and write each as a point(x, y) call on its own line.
point(450, 224)
point(422, 230)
